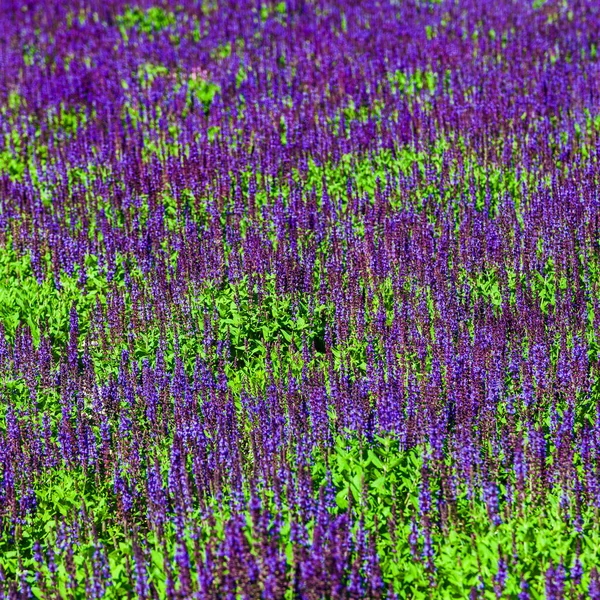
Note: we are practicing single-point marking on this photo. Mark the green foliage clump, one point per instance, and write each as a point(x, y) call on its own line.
point(151, 20)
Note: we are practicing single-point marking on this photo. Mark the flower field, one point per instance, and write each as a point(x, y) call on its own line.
point(299, 299)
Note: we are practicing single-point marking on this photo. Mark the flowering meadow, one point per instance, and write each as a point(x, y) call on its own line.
point(299, 299)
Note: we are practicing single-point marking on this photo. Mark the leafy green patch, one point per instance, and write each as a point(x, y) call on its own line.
point(151, 20)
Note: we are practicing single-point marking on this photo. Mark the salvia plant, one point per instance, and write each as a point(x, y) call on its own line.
point(299, 299)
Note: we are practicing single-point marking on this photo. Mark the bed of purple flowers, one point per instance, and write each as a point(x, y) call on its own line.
point(299, 299)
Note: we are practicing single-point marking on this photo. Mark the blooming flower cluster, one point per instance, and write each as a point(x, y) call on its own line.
point(299, 299)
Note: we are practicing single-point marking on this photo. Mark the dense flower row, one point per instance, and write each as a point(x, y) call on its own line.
point(299, 299)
